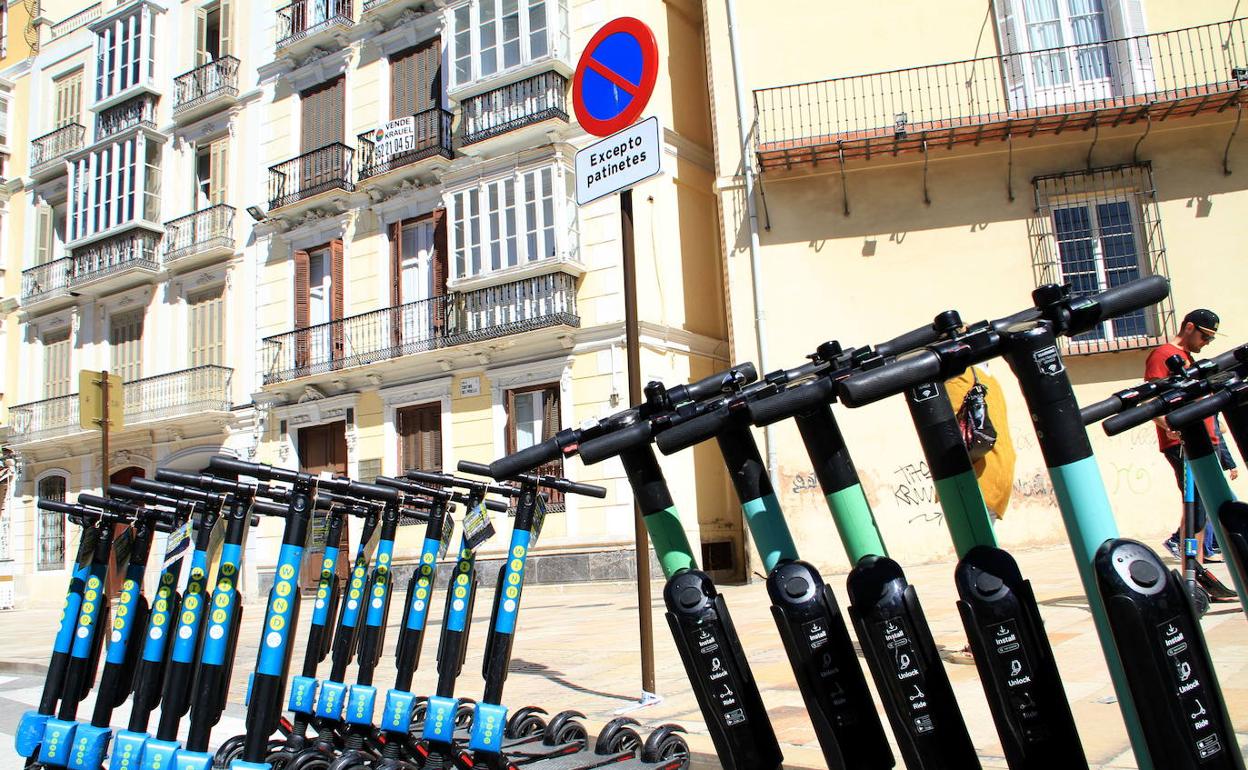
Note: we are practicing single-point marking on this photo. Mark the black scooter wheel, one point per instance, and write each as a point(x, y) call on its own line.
point(309, 759)
point(229, 751)
point(565, 729)
point(666, 745)
point(525, 722)
point(419, 710)
point(610, 739)
point(352, 759)
point(464, 714)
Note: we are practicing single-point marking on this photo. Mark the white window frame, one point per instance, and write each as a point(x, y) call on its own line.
point(556, 34)
point(108, 187)
point(555, 235)
point(436, 391)
point(123, 53)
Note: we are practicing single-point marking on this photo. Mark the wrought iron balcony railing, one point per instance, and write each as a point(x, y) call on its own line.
point(130, 250)
point(80, 19)
point(304, 18)
point(532, 100)
point(430, 135)
point(139, 111)
point(454, 319)
point(53, 146)
point(47, 280)
point(1160, 75)
point(204, 83)
point(189, 392)
point(328, 168)
point(206, 229)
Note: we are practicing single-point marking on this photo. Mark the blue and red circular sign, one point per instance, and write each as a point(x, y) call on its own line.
point(615, 76)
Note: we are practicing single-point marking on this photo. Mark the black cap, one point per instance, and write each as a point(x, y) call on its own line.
point(1205, 320)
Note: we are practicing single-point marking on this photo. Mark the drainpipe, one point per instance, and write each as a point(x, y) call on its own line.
point(756, 281)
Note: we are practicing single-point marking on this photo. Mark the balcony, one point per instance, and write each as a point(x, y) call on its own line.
point(188, 393)
point(384, 11)
point(526, 102)
point(311, 174)
point(200, 237)
point(1149, 77)
point(454, 319)
point(206, 88)
point(78, 20)
point(43, 285)
point(48, 152)
point(115, 263)
point(139, 111)
point(424, 135)
point(304, 24)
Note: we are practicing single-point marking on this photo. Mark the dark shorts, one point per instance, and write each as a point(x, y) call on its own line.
point(1176, 462)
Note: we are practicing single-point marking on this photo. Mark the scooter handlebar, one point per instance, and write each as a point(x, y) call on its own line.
point(796, 400)
point(617, 441)
point(1101, 409)
point(224, 464)
point(872, 385)
point(692, 431)
point(904, 343)
point(1200, 409)
point(161, 521)
point(709, 387)
point(265, 508)
point(146, 498)
point(1136, 415)
point(1128, 297)
point(524, 460)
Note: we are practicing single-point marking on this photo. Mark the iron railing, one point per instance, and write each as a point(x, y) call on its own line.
point(431, 135)
point(1123, 73)
point(304, 18)
point(139, 111)
point(47, 280)
point(453, 319)
point(328, 168)
point(80, 19)
point(209, 228)
point(204, 83)
point(55, 145)
point(532, 100)
point(134, 249)
point(187, 392)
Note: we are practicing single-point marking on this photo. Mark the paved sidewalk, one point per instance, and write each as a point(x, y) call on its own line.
point(578, 649)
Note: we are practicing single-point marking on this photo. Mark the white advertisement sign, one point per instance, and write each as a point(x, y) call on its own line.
point(619, 161)
point(395, 138)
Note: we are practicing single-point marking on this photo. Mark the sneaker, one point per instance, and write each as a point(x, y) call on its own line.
point(1172, 545)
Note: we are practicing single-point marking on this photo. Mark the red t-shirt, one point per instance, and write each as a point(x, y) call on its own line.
point(1155, 369)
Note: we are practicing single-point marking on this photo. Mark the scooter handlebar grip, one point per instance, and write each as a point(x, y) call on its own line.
point(589, 490)
point(1136, 415)
point(182, 478)
point(495, 505)
point(713, 385)
point(1101, 409)
point(692, 431)
point(1200, 409)
point(267, 509)
point(240, 467)
point(431, 477)
point(917, 338)
point(523, 461)
point(56, 506)
point(1123, 299)
point(150, 498)
point(615, 442)
point(364, 489)
point(795, 400)
point(872, 385)
point(476, 469)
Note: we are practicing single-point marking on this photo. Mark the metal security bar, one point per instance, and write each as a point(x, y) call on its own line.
point(1095, 230)
point(453, 319)
point(55, 145)
point(328, 168)
point(140, 111)
point(135, 249)
point(47, 280)
point(431, 136)
point(1161, 74)
point(204, 83)
point(209, 228)
point(305, 18)
point(532, 100)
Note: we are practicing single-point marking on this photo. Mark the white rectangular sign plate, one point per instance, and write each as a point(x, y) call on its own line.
point(618, 162)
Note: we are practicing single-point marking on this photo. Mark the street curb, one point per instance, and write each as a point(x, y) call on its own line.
point(23, 667)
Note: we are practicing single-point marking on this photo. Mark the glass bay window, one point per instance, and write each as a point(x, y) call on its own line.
point(124, 49)
point(492, 36)
point(114, 185)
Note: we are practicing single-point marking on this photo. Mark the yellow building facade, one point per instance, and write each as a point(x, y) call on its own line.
point(913, 159)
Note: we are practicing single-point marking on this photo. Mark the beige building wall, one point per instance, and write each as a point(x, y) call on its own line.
point(895, 261)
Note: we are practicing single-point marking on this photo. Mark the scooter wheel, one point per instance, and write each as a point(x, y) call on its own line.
point(279, 760)
point(351, 760)
point(608, 742)
point(309, 759)
point(229, 751)
point(525, 722)
point(1200, 600)
point(553, 735)
point(419, 710)
point(464, 713)
point(666, 744)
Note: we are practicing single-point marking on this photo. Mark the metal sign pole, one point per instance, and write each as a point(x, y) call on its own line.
point(103, 382)
point(633, 351)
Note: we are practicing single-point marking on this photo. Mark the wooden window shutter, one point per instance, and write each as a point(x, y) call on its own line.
point(509, 429)
point(206, 332)
point(322, 115)
point(403, 94)
point(201, 37)
point(309, 128)
point(396, 283)
point(43, 234)
point(336, 105)
point(439, 267)
point(227, 22)
point(336, 260)
point(218, 172)
point(302, 307)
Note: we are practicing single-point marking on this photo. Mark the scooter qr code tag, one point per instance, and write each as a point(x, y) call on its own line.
point(448, 529)
point(477, 526)
point(86, 546)
point(539, 518)
point(179, 541)
point(1049, 361)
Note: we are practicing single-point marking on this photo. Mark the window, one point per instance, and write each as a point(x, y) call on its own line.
point(68, 100)
point(56, 352)
point(318, 300)
point(492, 36)
point(533, 417)
point(206, 327)
point(208, 34)
point(506, 222)
point(125, 345)
point(1097, 230)
point(4, 121)
point(210, 174)
point(124, 53)
point(416, 80)
point(322, 110)
point(109, 187)
point(420, 437)
point(50, 553)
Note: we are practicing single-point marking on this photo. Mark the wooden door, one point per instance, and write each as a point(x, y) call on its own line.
point(322, 448)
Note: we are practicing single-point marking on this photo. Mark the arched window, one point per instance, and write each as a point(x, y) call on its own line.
point(50, 532)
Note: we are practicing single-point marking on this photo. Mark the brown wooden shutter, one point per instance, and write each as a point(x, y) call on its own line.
point(403, 83)
point(420, 437)
point(323, 122)
point(303, 303)
point(396, 283)
point(509, 429)
point(335, 307)
point(439, 267)
point(227, 24)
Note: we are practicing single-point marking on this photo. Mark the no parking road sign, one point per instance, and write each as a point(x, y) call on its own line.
point(615, 76)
